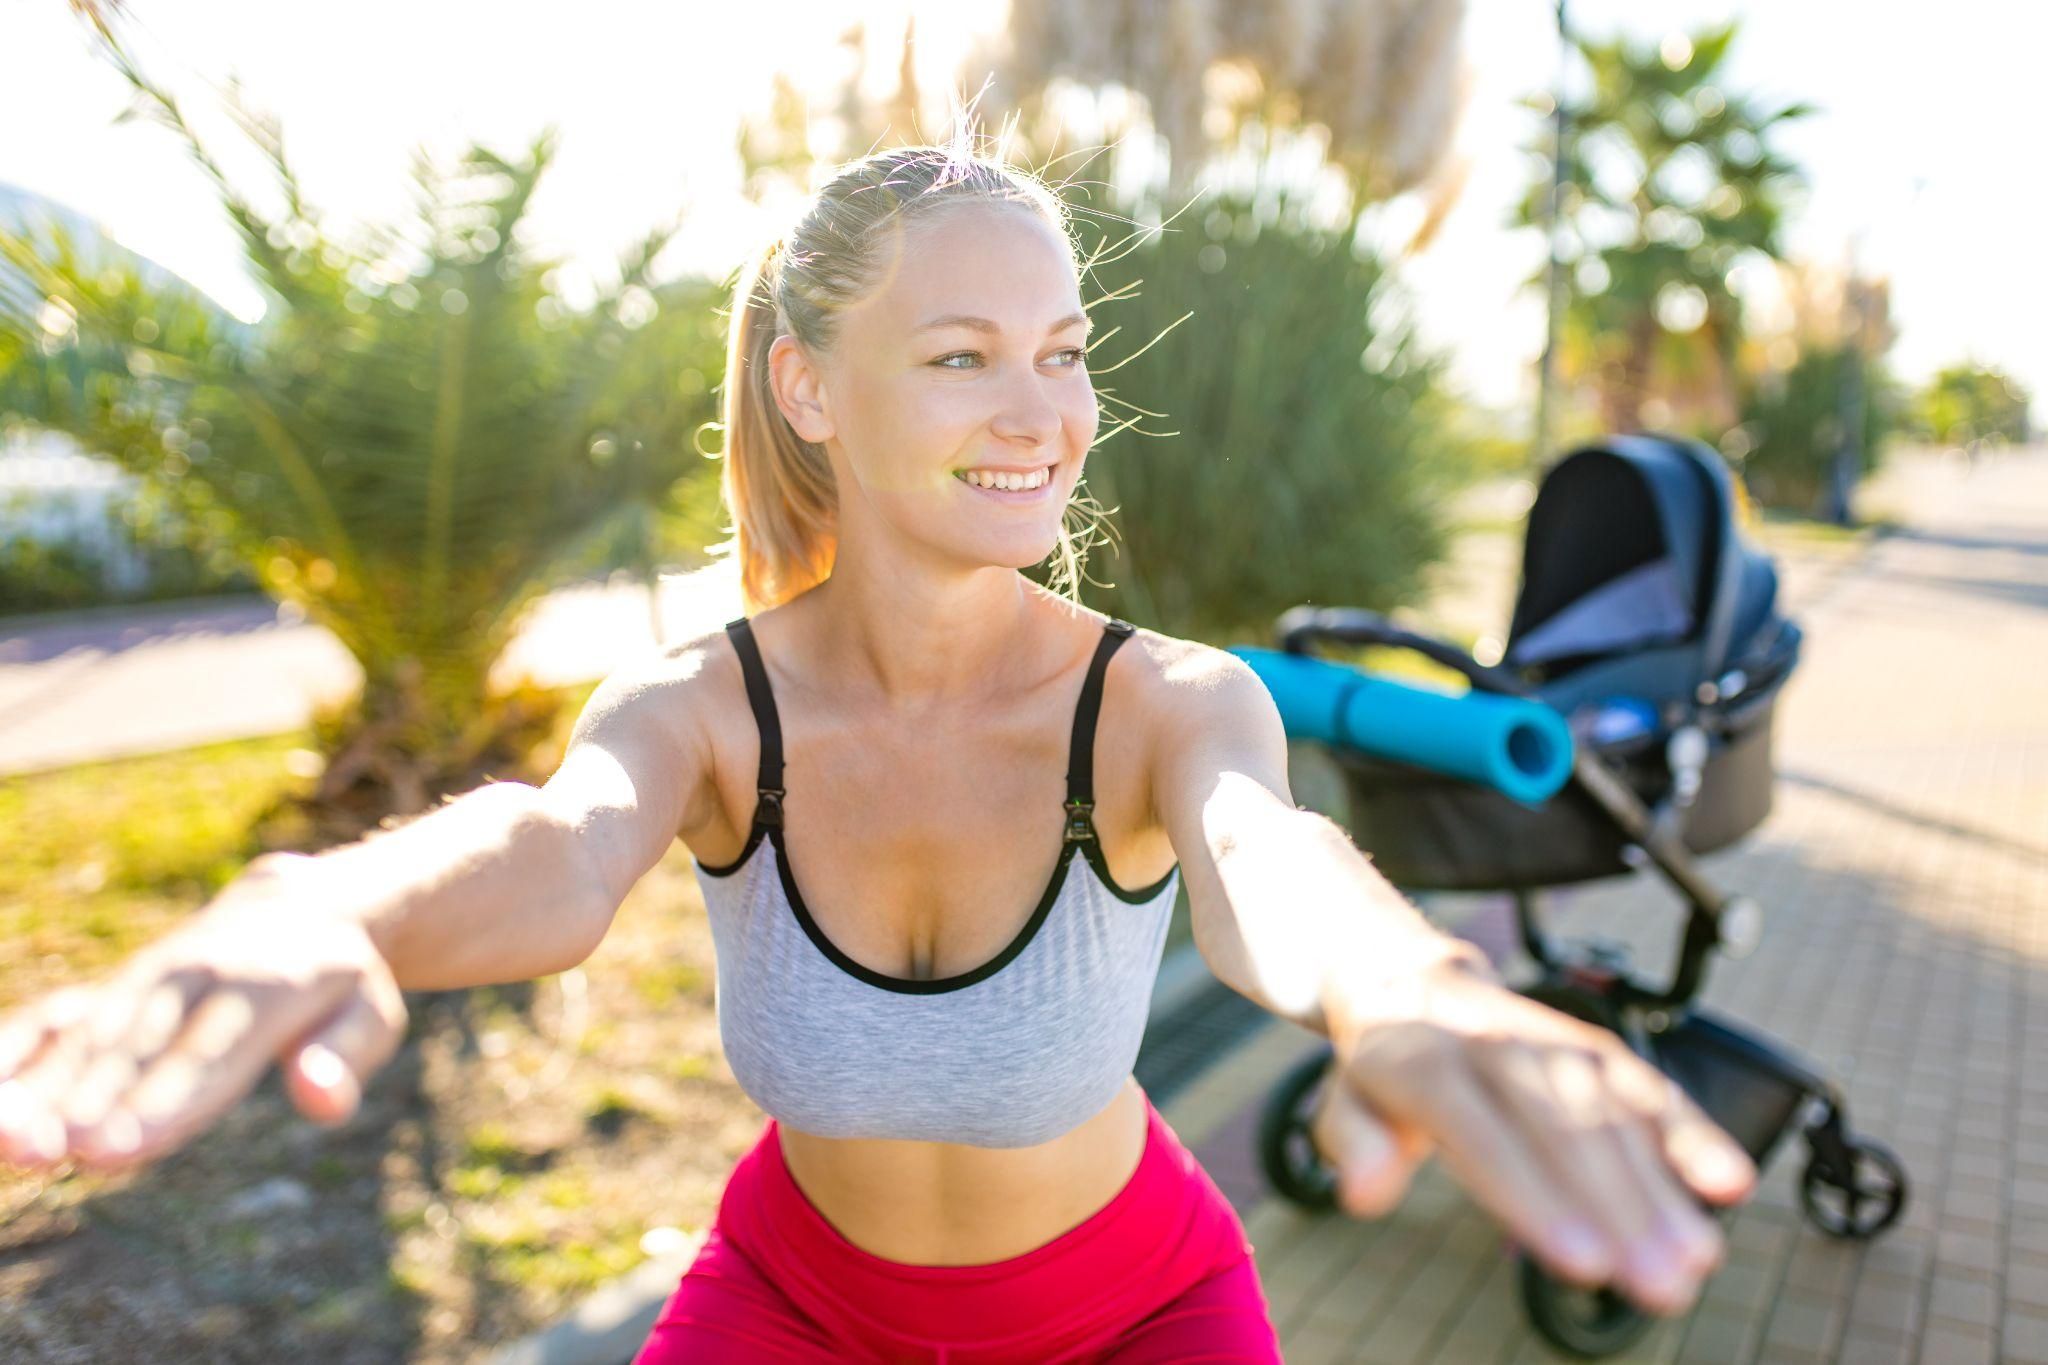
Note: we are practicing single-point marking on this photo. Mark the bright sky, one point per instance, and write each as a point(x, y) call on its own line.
point(1926, 152)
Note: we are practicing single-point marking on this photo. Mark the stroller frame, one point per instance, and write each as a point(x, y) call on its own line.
point(1754, 1088)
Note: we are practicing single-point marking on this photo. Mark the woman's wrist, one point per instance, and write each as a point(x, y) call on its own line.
point(1358, 996)
point(1463, 958)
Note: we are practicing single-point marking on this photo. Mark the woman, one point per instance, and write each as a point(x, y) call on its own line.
point(874, 769)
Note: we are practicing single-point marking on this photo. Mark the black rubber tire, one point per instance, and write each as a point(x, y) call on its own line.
point(1587, 1323)
point(1849, 1221)
point(1286, 1152)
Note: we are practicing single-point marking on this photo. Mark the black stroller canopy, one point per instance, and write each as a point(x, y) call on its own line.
point(1632, 545)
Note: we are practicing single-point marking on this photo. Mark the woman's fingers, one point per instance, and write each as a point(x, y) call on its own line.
point(119, 1072)
point(31, 1134)
point(139, 1013)
point(216, 1058)
point(1601, 1147)
point(1375, 1159)
point(325, 1070)
point(1488, 1153)
point(67, 1058)
point(39, 1086)
point(24, 1031)
point(1684, 1246)
point(1699, 1150)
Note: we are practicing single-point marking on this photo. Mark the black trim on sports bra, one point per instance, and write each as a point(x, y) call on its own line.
point(1079, 807)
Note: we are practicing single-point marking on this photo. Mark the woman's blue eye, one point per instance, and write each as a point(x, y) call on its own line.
point(1080, 353)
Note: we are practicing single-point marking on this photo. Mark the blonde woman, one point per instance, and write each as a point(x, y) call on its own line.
point(940, 815)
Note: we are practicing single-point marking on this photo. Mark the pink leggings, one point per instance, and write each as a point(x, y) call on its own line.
point(1163, 1272)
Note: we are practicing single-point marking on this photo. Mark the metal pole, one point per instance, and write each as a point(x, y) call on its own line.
point(1546, 375)
point(1848, 462)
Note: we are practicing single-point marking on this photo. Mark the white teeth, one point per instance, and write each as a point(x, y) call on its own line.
point(982, 478)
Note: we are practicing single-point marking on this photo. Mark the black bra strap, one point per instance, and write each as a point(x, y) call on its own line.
point(768, 809)
point(1081, 754)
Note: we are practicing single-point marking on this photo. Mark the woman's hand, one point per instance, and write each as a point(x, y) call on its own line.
point(121, 1071)
point(1591, 1157)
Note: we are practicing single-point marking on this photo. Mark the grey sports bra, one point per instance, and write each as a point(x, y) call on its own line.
point(1010, 1054)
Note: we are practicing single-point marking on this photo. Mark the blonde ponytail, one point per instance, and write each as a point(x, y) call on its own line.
point(778, 487)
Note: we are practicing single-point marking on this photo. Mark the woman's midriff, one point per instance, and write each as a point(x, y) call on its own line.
point(939, 1203)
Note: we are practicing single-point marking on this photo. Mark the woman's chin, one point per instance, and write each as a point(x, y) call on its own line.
point(1016, 551)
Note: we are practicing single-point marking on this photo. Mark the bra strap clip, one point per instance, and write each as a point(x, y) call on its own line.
point(1080, 828)
point(768, 806)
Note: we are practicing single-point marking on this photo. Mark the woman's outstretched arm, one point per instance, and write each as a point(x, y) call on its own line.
point(1591, 1158)
point(302, 958)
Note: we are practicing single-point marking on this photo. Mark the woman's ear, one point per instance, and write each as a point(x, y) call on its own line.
point(799, 389)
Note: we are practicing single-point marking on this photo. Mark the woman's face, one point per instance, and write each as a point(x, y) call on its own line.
point(967, 357)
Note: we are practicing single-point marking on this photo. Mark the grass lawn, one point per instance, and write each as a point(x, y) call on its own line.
point(103, 857)
point(511, 1157)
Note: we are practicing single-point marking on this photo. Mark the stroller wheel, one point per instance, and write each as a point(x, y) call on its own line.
point(1588, 1323)
point(1286, 1151)
point(1860, 1202)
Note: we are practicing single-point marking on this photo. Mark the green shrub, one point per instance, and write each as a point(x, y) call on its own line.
point(1965, 403)
point(1295, 444)
point(1792, 425)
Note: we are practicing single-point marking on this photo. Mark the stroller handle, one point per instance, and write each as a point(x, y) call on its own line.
point(1299, 627)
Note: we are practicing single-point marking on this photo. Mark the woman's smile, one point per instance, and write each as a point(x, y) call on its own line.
point(1024, 495)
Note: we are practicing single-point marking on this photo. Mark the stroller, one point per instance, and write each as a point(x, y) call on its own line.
point(1646, 621)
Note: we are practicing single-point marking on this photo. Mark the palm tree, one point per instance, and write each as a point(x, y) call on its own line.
point(1670, 182)
point(409, 447)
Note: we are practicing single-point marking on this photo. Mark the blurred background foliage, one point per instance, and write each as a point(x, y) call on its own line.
point(162, 558)
point(1794, 421)
point(1817, 401)
point(1292, 441)
point(1970, 403)
point(1671, 181)
point(1673, 186)
point(420, 438)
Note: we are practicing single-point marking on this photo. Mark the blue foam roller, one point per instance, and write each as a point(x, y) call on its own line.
point(1520, 747)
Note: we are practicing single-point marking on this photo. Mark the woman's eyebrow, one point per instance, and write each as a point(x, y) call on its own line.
point(984, 325)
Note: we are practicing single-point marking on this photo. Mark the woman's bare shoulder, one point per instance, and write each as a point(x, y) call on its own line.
point(687, 682)
point(1174, 674)
point(675, 707)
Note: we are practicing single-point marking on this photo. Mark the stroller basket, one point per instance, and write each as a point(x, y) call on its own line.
point(1745, 1088)
point(1438, 833)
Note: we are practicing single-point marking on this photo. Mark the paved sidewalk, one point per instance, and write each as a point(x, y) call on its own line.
point(111, 684)
point(1904, 875)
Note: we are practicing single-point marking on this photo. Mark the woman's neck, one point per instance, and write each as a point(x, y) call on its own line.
point(909, 646)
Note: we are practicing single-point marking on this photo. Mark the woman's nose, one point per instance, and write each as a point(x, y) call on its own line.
point(1029, 412)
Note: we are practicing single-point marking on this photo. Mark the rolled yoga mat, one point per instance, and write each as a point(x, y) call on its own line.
point(1517, 746)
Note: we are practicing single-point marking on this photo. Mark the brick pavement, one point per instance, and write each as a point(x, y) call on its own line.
point(1904, 875)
